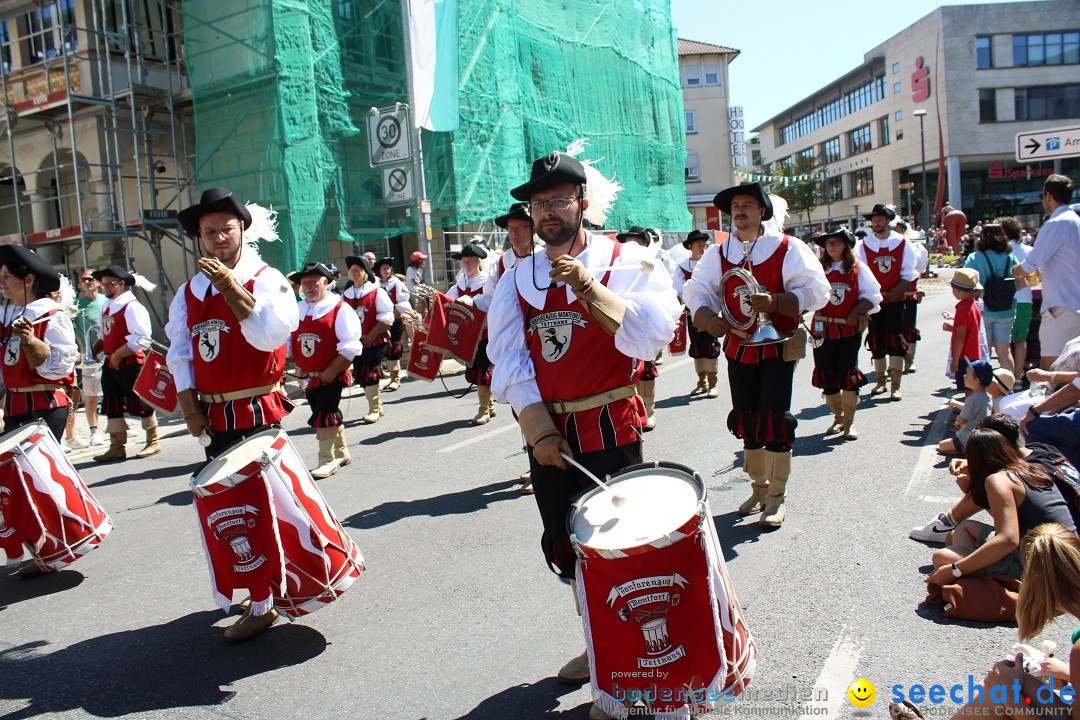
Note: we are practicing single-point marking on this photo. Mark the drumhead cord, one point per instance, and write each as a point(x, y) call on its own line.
point(449, 392)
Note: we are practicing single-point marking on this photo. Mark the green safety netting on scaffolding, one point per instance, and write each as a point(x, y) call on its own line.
point(282, 90)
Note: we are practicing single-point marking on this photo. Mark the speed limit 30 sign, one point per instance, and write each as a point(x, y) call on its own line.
point(389, 135)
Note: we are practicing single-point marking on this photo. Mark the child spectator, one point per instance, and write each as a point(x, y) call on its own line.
point(977, 378)
point(965, 324)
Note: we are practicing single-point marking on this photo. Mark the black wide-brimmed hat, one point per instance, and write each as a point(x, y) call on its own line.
point(553, 169)
point(470, 250)
point(21, 262)
point(216, 199)
point(861, 233)
point(315, 268)
point(754, 189)
point(117, 272)
point(633, 232)
point(882, 209)
point(383, 261)
point(364, 265)
point(839, 233)
point(518, 211)
point(693, 236)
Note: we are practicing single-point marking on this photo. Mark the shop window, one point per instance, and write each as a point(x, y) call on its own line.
point(987, 105)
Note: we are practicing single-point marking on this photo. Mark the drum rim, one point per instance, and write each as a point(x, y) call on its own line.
point(202, 478)
point(21, 433)
point(585, 495)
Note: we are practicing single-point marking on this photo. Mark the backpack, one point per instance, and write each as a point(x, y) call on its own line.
point(998, 292)
point(1066, 477)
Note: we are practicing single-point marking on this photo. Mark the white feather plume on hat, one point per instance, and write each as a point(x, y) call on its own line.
point(775, 224)
point(67, 292)
point(143, 284)
point(599, 190)
point(263, 226)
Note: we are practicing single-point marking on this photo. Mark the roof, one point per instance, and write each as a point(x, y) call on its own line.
point(693, 47)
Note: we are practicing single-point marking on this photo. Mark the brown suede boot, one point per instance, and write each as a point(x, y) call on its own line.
point(849, 399)
point(779, 468)
point(837, 411)
point(153, 447)
point(116, 448)
point(483, 414)
point(754, 466)
point(880, 378)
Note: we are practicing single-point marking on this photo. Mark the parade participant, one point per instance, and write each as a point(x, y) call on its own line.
point(125, 338)
point(334, 282)
point(228, 327)
point(323, 346)
point(564, 337)
point(790, 281)
point(415, 275)
point(470, 284)
point(890, 257)
point(517, 223)
point(646, 384)
point(704, 348)
point(399, 296)
point(854, 293)
point(39, 357)
point(912, 299)
point(90, 303)
point(376, 313)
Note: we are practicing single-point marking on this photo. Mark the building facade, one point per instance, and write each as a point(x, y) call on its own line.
point(714, 130)
point(961, 83)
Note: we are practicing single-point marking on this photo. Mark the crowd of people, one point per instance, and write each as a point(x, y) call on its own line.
point(575, 327)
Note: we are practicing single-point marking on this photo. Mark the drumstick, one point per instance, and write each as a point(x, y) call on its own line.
point(616, 499)
point(204, 439)
point(646, 267)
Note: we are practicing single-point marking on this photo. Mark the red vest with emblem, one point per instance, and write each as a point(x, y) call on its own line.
point(224, 361)
point(843, 294)
point(115, 329)
point(575, 358)
point(19, 374)
point(770, 275)
point(885, 264)
point(365, 310)
point(314, 342)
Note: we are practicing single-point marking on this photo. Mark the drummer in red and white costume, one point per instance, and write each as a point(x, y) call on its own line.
point(853, 293)
point(704, 348)
point(228, 326)
point(125, 328)
point(39, 358)
point(399, 296)
point(468, 289)
point(892, 260)
point(759, 378)
point(376, 313)
point(323, 347)
point(565, 335)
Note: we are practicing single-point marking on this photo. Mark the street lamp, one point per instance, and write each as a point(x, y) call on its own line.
point(920, 113)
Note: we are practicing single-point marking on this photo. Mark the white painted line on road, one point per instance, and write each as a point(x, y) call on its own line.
point(479, 438)
point(940, 499)
point(920, 481)
point(838, 673)
point(677, 363)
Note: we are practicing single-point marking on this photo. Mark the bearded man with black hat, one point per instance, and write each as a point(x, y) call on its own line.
point(892, 260)
point(789, 281)
point(125, 338)
point(228, 327)
point(376, 312)
point(565, 334)
point(468, 289)
point(323, 347)
point(704, 348)
point(39, 357)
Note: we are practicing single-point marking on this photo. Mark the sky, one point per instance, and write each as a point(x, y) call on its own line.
point(795, 47)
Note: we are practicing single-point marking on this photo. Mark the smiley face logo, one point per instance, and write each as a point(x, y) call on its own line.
point(862, 693)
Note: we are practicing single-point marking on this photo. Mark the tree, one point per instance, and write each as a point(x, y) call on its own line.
point(802, 185)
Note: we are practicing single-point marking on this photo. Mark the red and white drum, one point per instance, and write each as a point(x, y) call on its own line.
point(266, 527)
point(46, 509)
point(661, 618)
point(155, 384)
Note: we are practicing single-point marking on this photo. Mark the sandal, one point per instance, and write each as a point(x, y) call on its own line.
point(907, 711)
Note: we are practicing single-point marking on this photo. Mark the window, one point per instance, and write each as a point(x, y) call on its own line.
point(984, 53)
point(853, 101)
point(48, 35)
point(899, 134)
point(807, 156)
point(860, 140)
point(377, 50)
point(896, 87)
point(862, 182)
point(5, 46)
point(987, 105)
point(834, 189)
point(712, 74)
point(693, 75)
point(149, 26)
point(883, 131)
point(830, 151)
point(1046, 49)
point(1055, 102)
point(691, 122)
point(693, 173)
point(899, 115)
point(895, 68)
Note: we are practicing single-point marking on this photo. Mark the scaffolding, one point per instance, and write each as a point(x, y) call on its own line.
point(96, 124)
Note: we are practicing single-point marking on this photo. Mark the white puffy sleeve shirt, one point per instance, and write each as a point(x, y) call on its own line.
point(59, 335)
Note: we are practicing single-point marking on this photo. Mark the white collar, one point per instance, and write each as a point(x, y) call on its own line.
point(321, 308)
point(535, 270)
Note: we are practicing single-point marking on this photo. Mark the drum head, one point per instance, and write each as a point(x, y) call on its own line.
point(18, 436)
point(659, 498)
point(222, 469)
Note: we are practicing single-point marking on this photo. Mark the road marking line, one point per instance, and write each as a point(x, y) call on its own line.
point(838, 672)
point(479, 438)
point(920, 481)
